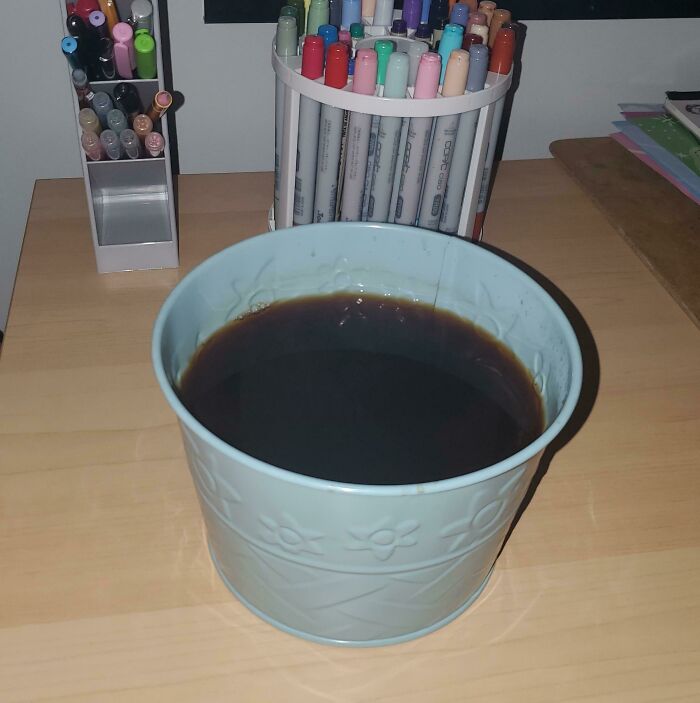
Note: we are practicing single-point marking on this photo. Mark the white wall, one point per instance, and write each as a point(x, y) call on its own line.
point(37, 134)
point(574, 74)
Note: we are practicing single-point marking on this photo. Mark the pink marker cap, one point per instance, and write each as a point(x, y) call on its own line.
point(428, 76)
point(122, 33)
point(365, 78)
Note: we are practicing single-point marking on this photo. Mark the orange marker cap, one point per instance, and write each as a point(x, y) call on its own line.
point(502, 52)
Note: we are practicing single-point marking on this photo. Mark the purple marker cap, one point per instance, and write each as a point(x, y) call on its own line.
point(428, 78)
point(460, 14)
point(365, 78)
point(478, 67)
point(399, 28)
point(423, 31)
point(411, 13)
point(96, 18)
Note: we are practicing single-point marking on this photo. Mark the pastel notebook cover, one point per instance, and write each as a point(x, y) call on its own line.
point(669, 133)
point(633, 149)
point(687, 112)
point(667, 161)
point(628, 110)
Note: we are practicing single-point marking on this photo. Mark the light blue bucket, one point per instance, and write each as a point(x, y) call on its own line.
point(344, 563)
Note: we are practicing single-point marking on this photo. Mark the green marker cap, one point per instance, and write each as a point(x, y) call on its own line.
point(396, 75)
point(384, 49)
point(357, 31)
point(301, 9)
point(145, 54)
point(290, 11)
point(318, 15)
point(286, 41)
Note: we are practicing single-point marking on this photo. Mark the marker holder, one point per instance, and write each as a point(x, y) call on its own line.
point(131, 203)
point(288, 70)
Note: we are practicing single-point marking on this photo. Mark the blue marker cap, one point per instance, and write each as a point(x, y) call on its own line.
point(451, 39)
point(460, 14)
point(352, 13)
point(329, 33)
point(69, 45)
point(478, 67)
point(425, 11)
point(351, 67)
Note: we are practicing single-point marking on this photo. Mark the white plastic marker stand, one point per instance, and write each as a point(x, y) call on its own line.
point(296, 86)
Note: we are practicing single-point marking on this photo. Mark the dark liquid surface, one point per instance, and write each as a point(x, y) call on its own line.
point(363, 390)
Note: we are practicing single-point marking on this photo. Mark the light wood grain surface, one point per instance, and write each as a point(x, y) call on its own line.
point(106, 588)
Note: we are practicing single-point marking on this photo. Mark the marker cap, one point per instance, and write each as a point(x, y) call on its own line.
point(399, 28)
point(451, 28)
point(428, 78)
point(357, 30)
point(383, 13)
point(344, 37)
point(384, 49)
point(480, 30)
point(301, 9)
point(79, 77)
point(96, 19)
point(312, 57)
point(365, 77)
point(460, 14)
point(116, 120)
point(439, 10)
point(487, 4)
point(286, 41)
point(337, 65)
point(500, 17)
point(145, 49)
point(502, 53)
point(122, 33)
point(352, 13)
point(69, 45)
point(478, 67)
point(318, 14)
point(415, 50)
point(290, 11)
point(396, 75)
point(470, 39)
point(329, 34)
point(456, 74)
point(154, 143)
point(423, 31)
point(476, 18)
point(411, 13)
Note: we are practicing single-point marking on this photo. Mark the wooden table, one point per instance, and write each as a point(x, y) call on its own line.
point(107, 592)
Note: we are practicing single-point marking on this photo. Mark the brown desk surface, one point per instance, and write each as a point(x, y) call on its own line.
point(660, 223)
point(107, 592)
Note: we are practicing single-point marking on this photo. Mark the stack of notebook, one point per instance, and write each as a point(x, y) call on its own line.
point(666, 138)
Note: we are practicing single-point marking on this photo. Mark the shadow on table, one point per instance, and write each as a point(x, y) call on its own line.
point(589, 386)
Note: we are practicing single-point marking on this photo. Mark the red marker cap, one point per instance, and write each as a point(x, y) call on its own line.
point(470, 39)
point(337, 65)
point(502, 52)
point(312, 57)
